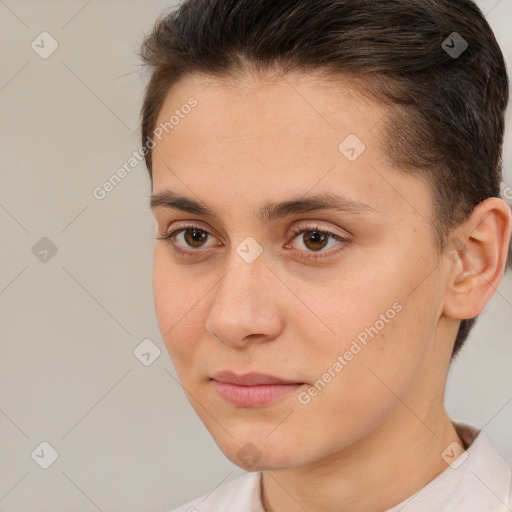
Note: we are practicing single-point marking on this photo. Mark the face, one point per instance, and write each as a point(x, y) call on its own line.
point(289, 319)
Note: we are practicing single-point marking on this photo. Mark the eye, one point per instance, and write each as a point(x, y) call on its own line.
point(186, 236)
point(187, 240)
point(314, 240)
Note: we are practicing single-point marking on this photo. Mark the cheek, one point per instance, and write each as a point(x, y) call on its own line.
point(351, 306)
point(353, 394)
point(379, 320)
point(178, 307)
point(382, 347)
point(165, 284)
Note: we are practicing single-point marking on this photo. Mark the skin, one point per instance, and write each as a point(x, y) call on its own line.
point(374, 435)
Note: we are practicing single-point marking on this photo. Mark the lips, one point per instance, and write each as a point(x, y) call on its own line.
point(252, 389)
point(250, 379)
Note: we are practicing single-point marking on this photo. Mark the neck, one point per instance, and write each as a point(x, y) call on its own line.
point(380, 471)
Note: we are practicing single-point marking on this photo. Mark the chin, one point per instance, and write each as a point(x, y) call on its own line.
point(259, 452)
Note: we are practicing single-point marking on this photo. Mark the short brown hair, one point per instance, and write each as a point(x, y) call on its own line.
point(447, 116)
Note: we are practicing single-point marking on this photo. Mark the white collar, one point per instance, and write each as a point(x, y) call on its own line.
point(479, 480)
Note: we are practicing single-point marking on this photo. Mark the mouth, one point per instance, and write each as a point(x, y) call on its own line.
point(252, 389)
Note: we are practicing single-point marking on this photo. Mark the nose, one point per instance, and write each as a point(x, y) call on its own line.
point(245, 308)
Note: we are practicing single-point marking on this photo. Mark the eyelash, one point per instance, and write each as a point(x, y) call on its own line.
point(169, 238)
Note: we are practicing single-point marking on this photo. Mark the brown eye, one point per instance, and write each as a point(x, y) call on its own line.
point(315, 240)
point(188, 240)
point(195, 237)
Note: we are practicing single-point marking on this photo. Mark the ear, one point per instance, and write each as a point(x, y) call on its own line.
point(477, 256)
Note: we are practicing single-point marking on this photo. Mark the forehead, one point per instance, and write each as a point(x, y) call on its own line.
point(265, 138)
point(294, 105)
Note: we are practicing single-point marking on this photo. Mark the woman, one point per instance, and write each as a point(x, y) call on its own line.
point(325, 185)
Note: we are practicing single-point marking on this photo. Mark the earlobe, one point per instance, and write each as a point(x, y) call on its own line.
point(477, 257)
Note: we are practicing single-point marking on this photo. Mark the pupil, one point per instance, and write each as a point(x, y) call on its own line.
point(195, 237)
point(315, 240)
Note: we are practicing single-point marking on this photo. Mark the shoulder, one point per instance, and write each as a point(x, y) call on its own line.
point(243, 493)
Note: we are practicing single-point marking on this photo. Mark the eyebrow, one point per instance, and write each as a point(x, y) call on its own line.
point(270, 210)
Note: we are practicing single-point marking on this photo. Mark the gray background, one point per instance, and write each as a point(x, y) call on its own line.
point(127, 439)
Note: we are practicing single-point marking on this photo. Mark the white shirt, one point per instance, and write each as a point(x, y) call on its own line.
point(479, 480)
